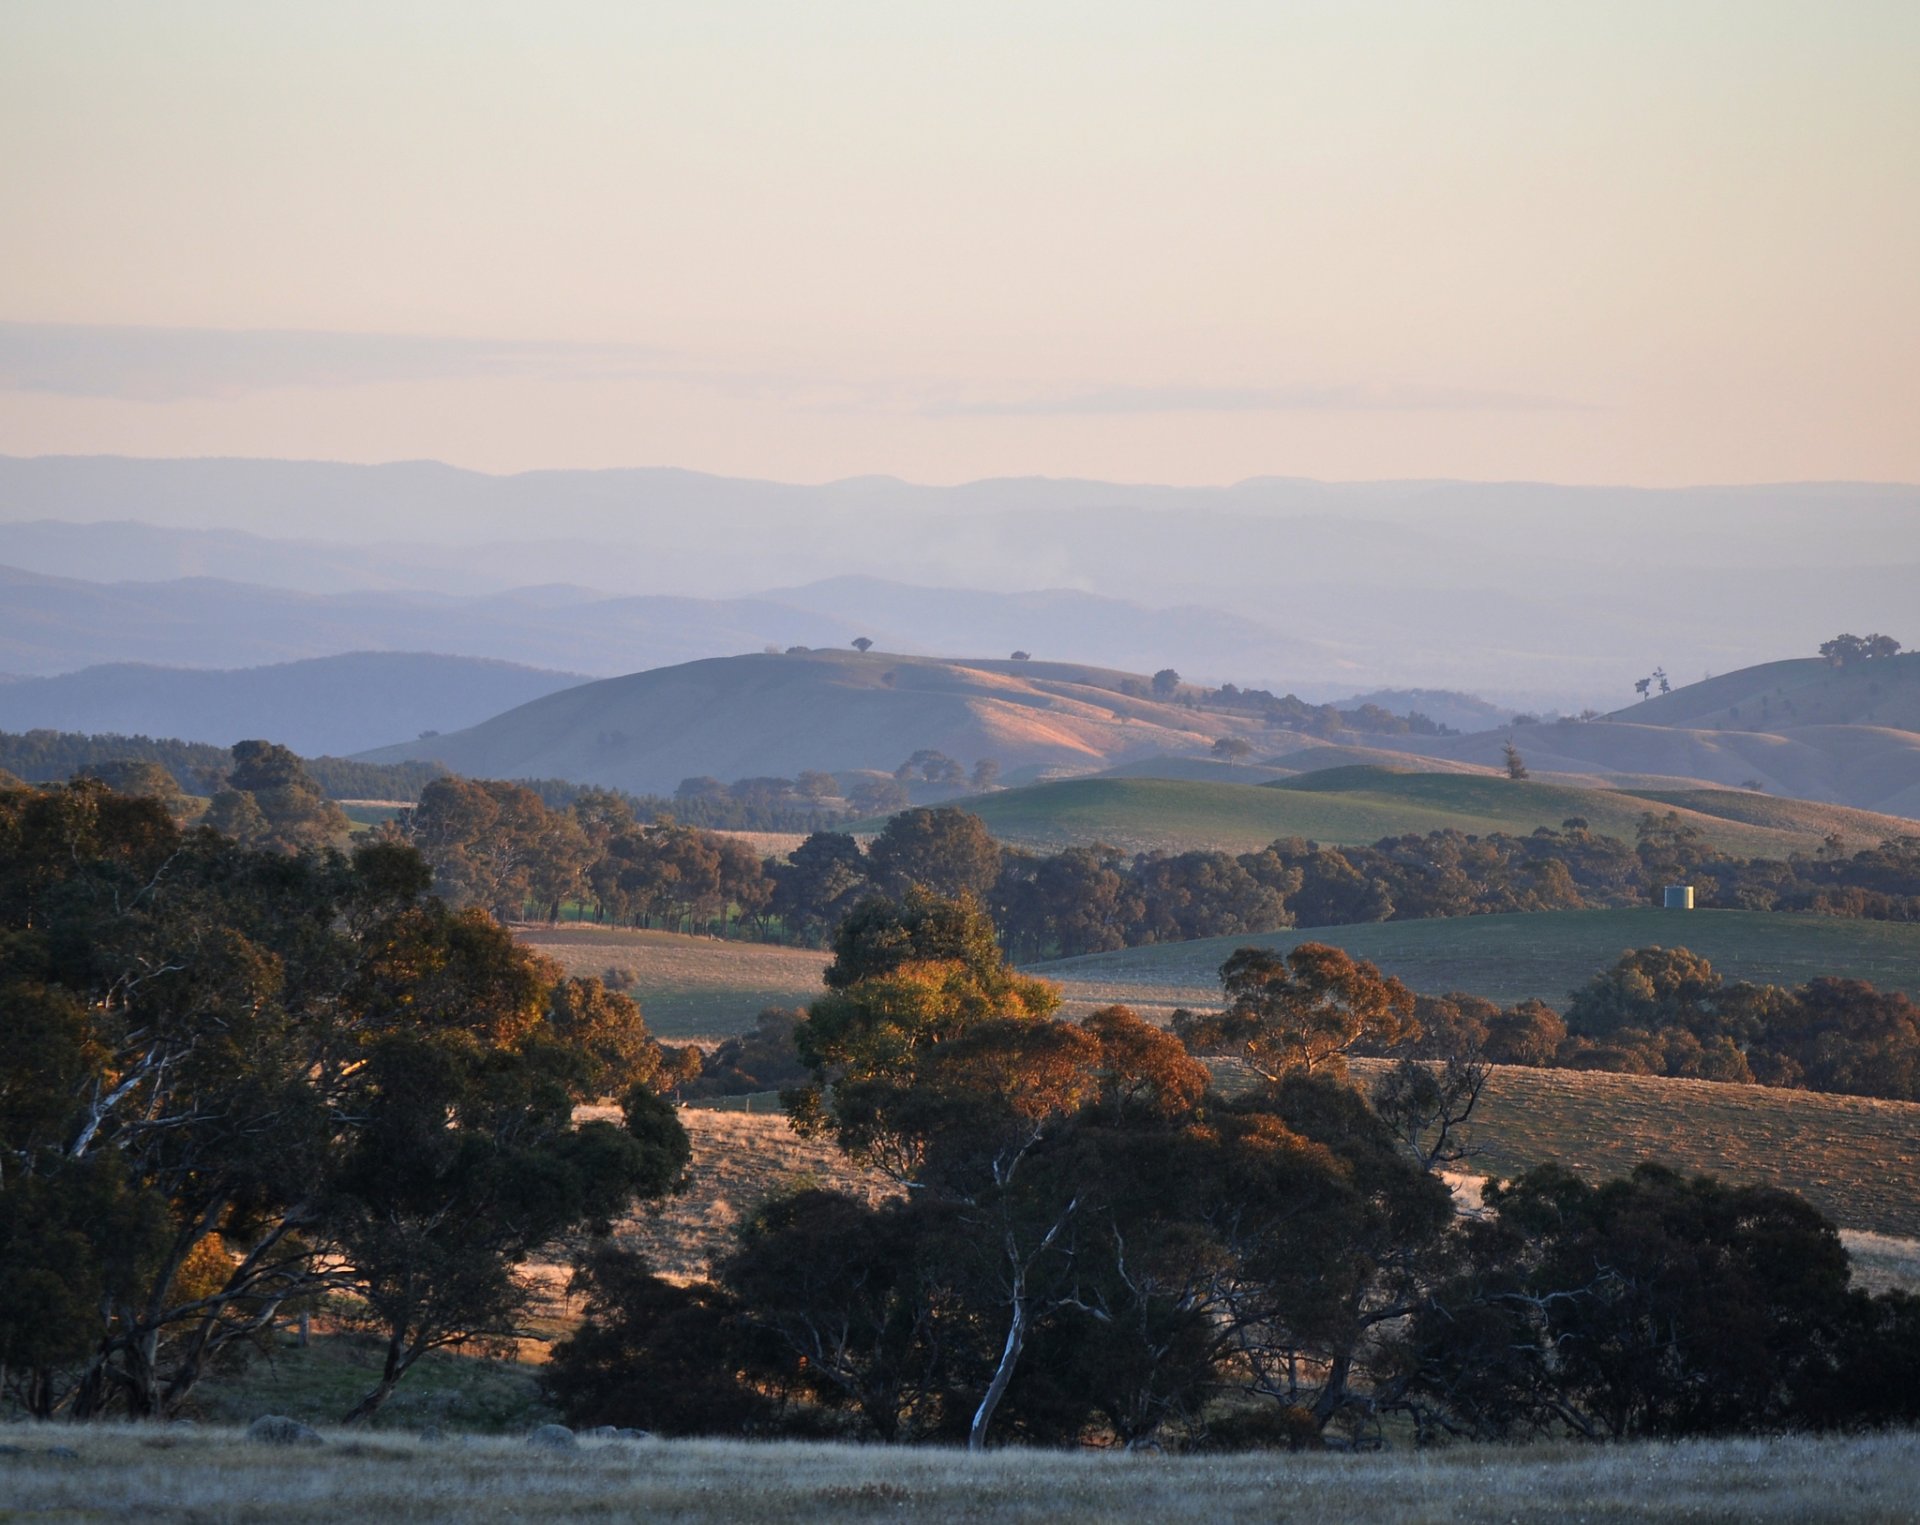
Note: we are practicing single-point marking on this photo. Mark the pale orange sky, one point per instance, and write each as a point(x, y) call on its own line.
point(1660, 243)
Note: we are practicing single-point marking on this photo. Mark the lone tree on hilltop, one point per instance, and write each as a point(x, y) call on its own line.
point(1516, 764)
point(1846, 650)
point(1166, 683)
point(1641, 685)
point(1021, 656)
point(862, 644)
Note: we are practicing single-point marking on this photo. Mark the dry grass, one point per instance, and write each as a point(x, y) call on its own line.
point(1856, 1159)
point(739, 1160)
point(211, 1475)
point(768, 844)
point(689, 987)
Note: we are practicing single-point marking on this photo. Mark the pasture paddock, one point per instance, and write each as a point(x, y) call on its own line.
point(688, 987)
point(1509, 958)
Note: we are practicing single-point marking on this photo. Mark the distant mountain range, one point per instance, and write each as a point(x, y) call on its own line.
point(328, 706)
point(52, 625)
point(1534, 595)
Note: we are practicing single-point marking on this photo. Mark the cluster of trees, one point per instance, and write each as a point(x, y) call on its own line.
point(1092, 1245)
point(41, 757)
point(235, 1080)
point(1850, 650)
point(1667, 1011)
point(1288, 712)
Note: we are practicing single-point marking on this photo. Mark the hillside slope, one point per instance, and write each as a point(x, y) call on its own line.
point(1787, 696)
point(739, 717)
point(1364, 804)
point(326, 706)
point(1867, 767)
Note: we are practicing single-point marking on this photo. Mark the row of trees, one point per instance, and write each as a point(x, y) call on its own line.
point(1094, 1245)
point(235, 1080)
point(497, 845)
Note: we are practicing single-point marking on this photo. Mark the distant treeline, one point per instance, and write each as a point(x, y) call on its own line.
point(502, 846)
point(45, 757)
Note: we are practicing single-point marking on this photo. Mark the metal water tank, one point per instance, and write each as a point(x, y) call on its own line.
point(1679, 897)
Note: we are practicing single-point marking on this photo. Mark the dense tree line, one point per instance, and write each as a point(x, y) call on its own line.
point(45, 757)
point(1095, 1246)
point(234, 1079)
point(1095, 899)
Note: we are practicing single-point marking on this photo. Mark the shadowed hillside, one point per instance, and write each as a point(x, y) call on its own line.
point(327, 706)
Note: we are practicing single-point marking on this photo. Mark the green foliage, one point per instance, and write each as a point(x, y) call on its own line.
point(233, 1078)
point(1302, 1012)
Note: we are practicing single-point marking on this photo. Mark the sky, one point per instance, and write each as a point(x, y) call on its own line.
point(1658, 243)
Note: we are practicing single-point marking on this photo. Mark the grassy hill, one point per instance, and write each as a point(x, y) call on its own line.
point(1363, 804)
point(1847, 736)
point(1512, 958)
point(1785, 696)
point(746, 716)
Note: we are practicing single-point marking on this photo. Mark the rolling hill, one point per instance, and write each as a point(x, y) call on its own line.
point(1784, 697)
point(738, 717)
point(1363, 804)
point(1846, 736)
point(1513, 958)
point(326, 706)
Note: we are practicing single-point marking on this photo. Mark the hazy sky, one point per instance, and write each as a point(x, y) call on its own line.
point(1662, 242)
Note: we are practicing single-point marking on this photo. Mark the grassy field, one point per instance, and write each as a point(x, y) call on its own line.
point(689, 987)
point(1510, 958)
point(1856, 1159)
point(119, 1473)
point(1363, 804)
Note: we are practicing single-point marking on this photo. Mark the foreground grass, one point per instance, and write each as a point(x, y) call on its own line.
point(213, 1475)
point(1543, 954)
point(689, 987)
point(319, 1382)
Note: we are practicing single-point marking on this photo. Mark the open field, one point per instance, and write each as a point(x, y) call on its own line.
point(1364, 804)
point(118, 1473)
point(689, 987)
point(1856, 1159)
point(1541, 954)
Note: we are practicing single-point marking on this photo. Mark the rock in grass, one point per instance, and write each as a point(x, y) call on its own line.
point(553, 1437)
point(278, 1430)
